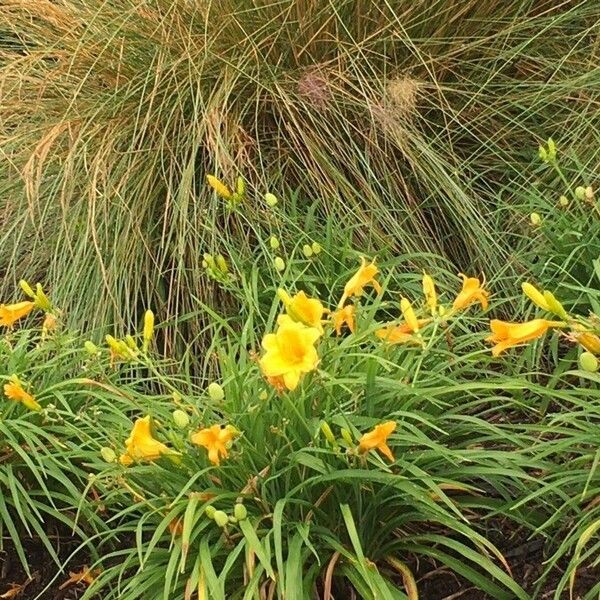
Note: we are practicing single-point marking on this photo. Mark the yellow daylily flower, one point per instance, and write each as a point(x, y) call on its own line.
point(344, 316)
point(376, 439)
point(215, 439)
point(141, 445)
point(301, 308)
point(11, 313)
point(219, 187)
point(363, 277)
point(290, 352)
point(472, 291)
point(409, 315)
point(14, 390)
point(430, 293)
point(505, 334)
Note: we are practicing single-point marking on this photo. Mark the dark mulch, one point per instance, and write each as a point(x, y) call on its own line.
point(43, 571)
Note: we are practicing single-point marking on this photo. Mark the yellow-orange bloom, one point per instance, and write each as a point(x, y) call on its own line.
point(377, 439)
point(363, 277)
point(430, 293)
point(301, 308)
point(505, 335)
point(290, 352)
point(219, 187)
point(472, 291)
point(11, 313)
point(215, 439)
point(344, 316)
point(14, 391)
point(141, 446)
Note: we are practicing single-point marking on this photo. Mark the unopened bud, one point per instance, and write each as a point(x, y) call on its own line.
point(180, 418)
point(108, 454)
point(91, 348)
point(41, 300)
point(148, 328)
point(580, 192)
point(535, 219)
point(215, 392)
point(222, 264)
point(347, 436)
point(240, 186)
point(589, 193)
point(307, 250)
point(273, 242)
point(220, 518)
point(240, 512)
point(326, 430)
point(588, 362)
point(271, 199)
point(27, 289)
point(210, 511)
point(279, 263)
point(563, 201)
point(316, 248)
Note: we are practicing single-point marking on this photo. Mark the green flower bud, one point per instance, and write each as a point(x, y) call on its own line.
point(108, 454)
point(131, 343)
point(580, 192)
point(347, 436)
point(271, 199)
point(181, 418)
point(535, 219)
point(263, 395)
point(210, 511)
point(589, 193)
point(220, 518)
point(588, 362)
point(563, 201)
point(215, 392)
point(273, 242)
point(27, 289)
point(222, 264)
point(316, 248)
point(551, 149)
point(279, 263)
point(41, 300)
point(91, 348)
point(240, 512)
point(326, 431)
point(240, 186)
point(209, 260)
point(543, 154)
point(307, 250)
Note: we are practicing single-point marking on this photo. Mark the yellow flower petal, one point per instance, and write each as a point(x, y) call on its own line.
point(11, 313)
point(364, 276)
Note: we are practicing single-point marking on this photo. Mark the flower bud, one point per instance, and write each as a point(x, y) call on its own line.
point(543, 154)
point(219, 187)
point(209, 260)
point(589, 193)
point(271, 199)
point(240, 186)
point(326, 431)
point(240, 512)
point(555, 306)
point(590, 341)
point(535, 219)
point(279, 263)
point(210, 511)
point(563, 201)
point(220, 518)
point(274, 242)
point(27, 289)
point(580, 192)
point(91, 348)
point(307, 250)
point(222, 264)
point(131, 343)
point(108, 454)
point(316, 248)
point(49, 323)
point(41, 300)
point(263, 395)
point(180, 418)
point(588, 362)
point(148, 328)
point(535, 296)
point(215, 392)
point(347, 436)
point(409, 314)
